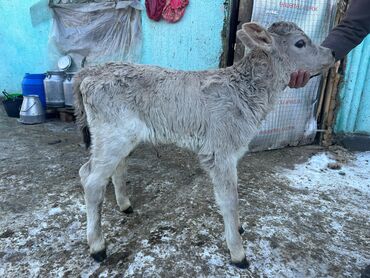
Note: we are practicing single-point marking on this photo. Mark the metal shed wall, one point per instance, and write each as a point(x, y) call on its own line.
point(353, 115)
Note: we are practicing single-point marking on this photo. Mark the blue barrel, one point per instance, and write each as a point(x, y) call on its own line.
point(33, 84)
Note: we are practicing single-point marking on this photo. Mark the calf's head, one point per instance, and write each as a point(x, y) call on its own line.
point(287, 41)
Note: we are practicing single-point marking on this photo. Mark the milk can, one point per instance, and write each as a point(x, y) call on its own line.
point(53, 84)
point(68, 89)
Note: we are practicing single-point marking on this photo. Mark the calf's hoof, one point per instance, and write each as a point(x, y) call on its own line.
point(100, 256)
point(244, 264)
point(241, 230)
point(129, 210)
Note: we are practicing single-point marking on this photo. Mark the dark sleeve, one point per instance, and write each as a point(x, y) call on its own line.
point(351, 30)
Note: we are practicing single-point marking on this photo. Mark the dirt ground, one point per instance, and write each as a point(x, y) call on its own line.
point(301, 218)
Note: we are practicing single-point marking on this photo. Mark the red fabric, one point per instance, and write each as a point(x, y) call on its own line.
point(174, 10)
point(154, 8)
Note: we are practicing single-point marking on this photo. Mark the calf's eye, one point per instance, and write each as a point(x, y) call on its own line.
point(300, 43)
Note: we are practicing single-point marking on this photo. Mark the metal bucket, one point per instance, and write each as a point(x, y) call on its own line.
point(53, 84)
point(68, 89)
point(32, 111)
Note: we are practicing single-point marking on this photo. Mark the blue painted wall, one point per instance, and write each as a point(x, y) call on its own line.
point(354, 99)
point(193, 43)
point(23, 48)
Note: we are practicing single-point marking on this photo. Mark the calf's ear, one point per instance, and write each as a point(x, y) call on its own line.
point(253, 35)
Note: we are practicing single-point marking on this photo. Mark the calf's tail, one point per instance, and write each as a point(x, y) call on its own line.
point(80, 112)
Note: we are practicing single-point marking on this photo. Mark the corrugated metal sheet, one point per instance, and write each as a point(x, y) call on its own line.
point(354, 112)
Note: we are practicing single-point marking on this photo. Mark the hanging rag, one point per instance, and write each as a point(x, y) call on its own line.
point(174, 10)
point(154, 8)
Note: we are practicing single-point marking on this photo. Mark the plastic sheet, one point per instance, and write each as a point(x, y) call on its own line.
point(40, 12)
point(95, 32)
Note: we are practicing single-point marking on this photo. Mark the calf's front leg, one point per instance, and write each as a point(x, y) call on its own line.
point(224, 178)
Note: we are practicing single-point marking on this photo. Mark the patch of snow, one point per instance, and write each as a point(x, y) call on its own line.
point(34, 268)
point(86, 273)
point(163, 252)
point(34, 231)
point(331, 198)
point(140, 262)
point(145, 243)
point(158, 186)
point(54, 211)
point(76, 225)
point(315, 175)
point(211, 255)
point(203, 232)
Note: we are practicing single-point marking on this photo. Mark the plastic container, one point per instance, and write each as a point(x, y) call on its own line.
point(33, 84)
point(13, 106)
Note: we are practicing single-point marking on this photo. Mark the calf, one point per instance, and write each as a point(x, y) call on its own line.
point(214, 113)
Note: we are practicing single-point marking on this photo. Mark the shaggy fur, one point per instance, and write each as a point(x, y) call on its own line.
point(283, 28)
point(214, 113)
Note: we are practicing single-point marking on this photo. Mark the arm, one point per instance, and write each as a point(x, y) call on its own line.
point(349, 33)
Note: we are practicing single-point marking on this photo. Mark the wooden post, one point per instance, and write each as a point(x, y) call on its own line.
point(328, 101)
point(330, 105)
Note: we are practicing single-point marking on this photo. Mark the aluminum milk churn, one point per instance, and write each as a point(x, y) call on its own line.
point(68, 89)
point(53, 84)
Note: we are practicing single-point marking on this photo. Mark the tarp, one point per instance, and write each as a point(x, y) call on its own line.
point(292, 121)
point(94, 32)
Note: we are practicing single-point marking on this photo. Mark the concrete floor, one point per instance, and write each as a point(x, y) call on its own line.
point(298, 223)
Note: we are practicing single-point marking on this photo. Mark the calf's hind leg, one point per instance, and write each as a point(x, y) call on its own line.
point(104, 161)
point(120, 189)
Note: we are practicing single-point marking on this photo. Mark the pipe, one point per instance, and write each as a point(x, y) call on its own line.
point(234, 22)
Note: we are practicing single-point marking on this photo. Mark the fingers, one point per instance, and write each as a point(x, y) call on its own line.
point(293, 80)
point(299, 82)
point(299, 79)
point(306, 78)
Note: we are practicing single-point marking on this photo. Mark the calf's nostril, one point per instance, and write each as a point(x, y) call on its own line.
point(333, 53)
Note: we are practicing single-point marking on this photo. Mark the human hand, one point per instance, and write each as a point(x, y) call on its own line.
point(299, 79)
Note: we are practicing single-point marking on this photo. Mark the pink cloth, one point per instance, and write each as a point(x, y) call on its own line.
point(174, 10)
